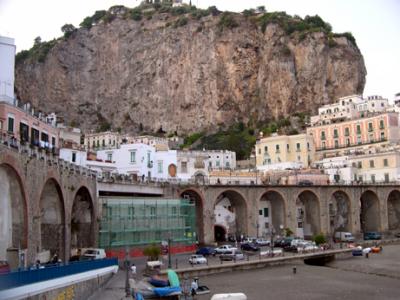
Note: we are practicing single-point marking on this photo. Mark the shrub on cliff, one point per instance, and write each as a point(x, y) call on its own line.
point(227, 21)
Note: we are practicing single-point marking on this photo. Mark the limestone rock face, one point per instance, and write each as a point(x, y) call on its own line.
point(196, 77)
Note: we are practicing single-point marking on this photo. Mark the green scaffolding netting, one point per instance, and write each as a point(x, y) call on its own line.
point(141, 221)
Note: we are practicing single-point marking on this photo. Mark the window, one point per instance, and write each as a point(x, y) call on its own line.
point(53, 141)
point(323, 145)
point(359, 140)
point(260, 212)
point(174, 211)
point(217, 163)
point(371, 164)
point(336, 144)
point(382, 136)
point(373, 178)
point(287, 148)
point(160, 166)
point(370, 127)
point(73, 157)
point(265, 212)
point(359, 164)
point(335, 133)
point(358, 129)
point(98, 143)
point(385, 162)
point(265, 149)
point(308, 146)
point(259, 150)
point(133, 156)
point(323, 135)
point(152, 211)
point(347, 131)
point(277, 148)
point(381, 124)
point(24, 132)
point(347, 142)
point(184, 167)
point(386, 177)
point(94, 144)
point(109, 156)
point(227, 164)
point(103, 143)
point(297, 146)
point(10, 124)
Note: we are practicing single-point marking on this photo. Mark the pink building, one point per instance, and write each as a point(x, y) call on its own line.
point(20, 126)
point(379, 128)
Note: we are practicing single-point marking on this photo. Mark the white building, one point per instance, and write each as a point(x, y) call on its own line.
point(7, 62)
point(349, 107)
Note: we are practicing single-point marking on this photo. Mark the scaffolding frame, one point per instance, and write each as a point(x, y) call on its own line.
point(142, 221)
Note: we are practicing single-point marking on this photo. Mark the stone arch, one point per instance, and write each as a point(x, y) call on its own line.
point(13, 214)
point(220, 233)
point(369, 212)
point(393, 210)
point(308, 214)
point(230, 211)
point(52, 219)
point(195, 196)
point(82, 220)
point(272, 213)
point(339, 212)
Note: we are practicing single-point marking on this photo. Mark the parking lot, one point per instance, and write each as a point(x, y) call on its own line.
point(377, 277)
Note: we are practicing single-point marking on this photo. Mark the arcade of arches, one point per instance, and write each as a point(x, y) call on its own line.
point(13, 223)
point(227, 212)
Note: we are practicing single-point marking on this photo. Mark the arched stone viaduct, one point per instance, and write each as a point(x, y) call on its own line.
point(325, 209)
point(46, 204)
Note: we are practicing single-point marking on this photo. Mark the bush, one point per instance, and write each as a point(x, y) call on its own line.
point(152, 252)
point(319, 239)
point(182, 21)
point(136, 14)
point(227, 21)
point(288, 232)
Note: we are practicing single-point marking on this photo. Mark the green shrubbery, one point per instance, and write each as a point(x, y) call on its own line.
point(38, 52)
point(227, 21)
point(319, 239)
point(152, 252)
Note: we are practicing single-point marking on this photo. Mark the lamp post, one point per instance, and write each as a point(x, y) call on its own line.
point(127, 265)
point(169, 253)
point(272, 240)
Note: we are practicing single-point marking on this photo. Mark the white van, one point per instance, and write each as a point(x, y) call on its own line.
point(94, 253)
point(231, 296)
point(341, 236)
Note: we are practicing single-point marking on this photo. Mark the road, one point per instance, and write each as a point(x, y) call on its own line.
point(377, 277)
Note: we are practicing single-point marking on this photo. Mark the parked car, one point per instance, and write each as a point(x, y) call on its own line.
point(4, 267)
point(232, 255)
point(286, 242)
point(341, 236)
point(224, 249)
point(197, 259)
point(248, 240)
point(263, 242)
point(397, 234)
point(95, 253)
point(249, 247)
point(358, 251)
point(206, 251)
point(278, 242)
point(372, 235)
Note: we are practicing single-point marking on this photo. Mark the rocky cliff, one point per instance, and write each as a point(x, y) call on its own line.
point(187, 74)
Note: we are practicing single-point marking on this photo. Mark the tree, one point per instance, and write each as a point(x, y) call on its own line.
point(37, 41)
point(68, 29)
point(261, 9)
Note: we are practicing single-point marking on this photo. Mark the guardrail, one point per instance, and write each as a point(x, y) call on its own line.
point(29, 276)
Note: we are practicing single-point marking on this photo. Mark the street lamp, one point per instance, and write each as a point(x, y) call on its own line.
point(127, 265)
point(169, 253)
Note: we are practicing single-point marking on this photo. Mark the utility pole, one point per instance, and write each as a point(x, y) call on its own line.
point(169, 253)
point(127, 265)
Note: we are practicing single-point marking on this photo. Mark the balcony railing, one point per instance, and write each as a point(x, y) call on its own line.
point(351, 145)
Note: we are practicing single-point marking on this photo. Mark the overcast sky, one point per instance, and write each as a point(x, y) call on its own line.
point(374, 23)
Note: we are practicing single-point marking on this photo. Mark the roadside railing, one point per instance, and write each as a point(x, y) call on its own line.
point(29, 276)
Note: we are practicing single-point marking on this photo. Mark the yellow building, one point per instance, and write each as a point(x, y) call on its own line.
point(377, 167)
point(103, 140)
point(284, 152)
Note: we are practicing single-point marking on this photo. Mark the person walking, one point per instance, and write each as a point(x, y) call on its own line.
point(133, 270)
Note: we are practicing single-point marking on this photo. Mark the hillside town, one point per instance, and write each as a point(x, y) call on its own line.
point(116, 213)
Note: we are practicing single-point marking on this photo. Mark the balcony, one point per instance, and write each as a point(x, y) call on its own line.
point(351, 145)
